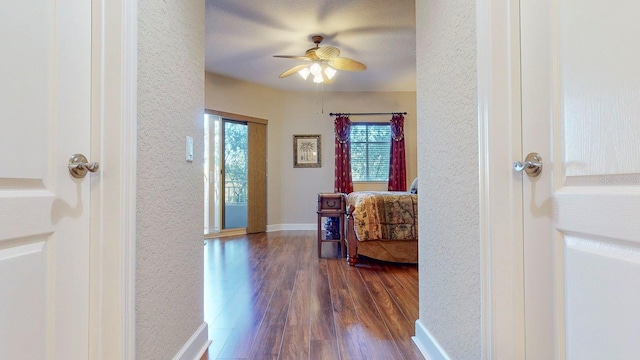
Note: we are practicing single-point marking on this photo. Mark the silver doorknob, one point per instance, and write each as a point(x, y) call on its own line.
point(532, 165)
point(78, 166)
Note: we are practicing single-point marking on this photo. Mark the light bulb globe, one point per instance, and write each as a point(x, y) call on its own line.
point(315, 69)
point(330, 72)
point(304, 73)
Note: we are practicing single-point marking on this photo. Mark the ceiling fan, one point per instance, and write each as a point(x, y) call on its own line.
point(325, 60)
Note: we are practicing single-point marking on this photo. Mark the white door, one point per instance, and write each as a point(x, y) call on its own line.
point(45, 95)
point(581, 112)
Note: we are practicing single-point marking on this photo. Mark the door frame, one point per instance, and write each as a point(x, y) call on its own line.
point(501, 211)
point(223, 175)
point(113, 195)
point(112, 314)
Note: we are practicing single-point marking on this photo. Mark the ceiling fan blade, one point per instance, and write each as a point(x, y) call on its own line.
point(327, 52)
point(346, 64)
point(311, 54)
point(292, 57)
point(293, 70)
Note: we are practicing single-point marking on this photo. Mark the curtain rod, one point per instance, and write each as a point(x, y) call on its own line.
point(355, 114)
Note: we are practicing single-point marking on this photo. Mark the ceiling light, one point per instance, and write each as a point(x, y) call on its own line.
point(304, 73)
point(318, 59)
point(322, 73)
point(316, 69)
point(330, 72)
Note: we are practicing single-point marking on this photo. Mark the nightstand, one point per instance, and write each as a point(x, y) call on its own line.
point(332, 207)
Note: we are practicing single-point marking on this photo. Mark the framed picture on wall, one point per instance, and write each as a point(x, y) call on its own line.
point(306, 151)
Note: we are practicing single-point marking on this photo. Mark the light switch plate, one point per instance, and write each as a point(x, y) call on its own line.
point(189, 149)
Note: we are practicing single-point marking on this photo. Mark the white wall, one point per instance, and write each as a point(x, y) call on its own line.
point(448, 169)
point(169, 254)
point(292, 192)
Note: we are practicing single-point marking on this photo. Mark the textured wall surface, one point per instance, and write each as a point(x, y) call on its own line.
point(448, 169)
point(169, 253)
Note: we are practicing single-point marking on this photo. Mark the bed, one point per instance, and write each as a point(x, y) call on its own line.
point(382, 225)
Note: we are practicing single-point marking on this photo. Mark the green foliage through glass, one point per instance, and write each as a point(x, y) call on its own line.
point(370, 146)
point(235, 162)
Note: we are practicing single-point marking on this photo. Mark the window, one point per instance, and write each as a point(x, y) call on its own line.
point(370, 143)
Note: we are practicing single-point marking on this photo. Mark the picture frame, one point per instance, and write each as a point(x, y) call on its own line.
point(307, 151)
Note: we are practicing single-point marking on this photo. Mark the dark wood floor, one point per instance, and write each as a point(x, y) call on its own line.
point(268, 296)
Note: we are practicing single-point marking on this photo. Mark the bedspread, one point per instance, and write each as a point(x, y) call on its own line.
point(384, 215)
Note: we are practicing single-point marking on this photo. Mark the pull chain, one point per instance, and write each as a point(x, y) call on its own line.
point(320, 96)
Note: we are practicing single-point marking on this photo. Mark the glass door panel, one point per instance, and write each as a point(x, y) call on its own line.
point(235, 175)
point(212, 171)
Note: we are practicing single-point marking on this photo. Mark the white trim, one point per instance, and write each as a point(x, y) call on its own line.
point(482, 38)
point(428, 345)
point(499, 112)
point(226, 233)
point(286, 227)
point(129, 168)
point(97, 323)
point(270, 228)
point(197, 344)
point(113, 207)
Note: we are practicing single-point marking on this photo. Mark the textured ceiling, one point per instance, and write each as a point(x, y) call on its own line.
point(243, 35)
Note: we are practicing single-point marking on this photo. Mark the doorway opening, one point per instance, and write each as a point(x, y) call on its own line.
point(225, 174)
point(235, 174)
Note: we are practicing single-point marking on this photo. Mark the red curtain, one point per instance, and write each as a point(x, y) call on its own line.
point(397, 162)
point(343, 182)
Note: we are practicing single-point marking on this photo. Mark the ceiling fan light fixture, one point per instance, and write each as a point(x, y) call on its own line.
point(304, 72)
point(316, 69)
point(330, 72)
point(323, 62)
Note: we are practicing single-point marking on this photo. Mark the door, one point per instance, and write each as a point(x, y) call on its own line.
point(257, 178)
point(235, 173)
point(212, 171)
point(234, 176)
point(44, 225)
point(581, 112)
point(226, 173)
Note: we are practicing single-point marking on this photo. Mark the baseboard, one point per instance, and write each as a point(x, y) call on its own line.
point(197, 344)
point(225, 233)
point(427, 344)
point(283, 227)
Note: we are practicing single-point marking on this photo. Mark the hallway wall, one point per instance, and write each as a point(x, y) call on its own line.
point(169, 254)
point(450, 296)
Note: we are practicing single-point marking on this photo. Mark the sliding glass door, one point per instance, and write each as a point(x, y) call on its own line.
point(235, 173)
point(234, 140)
point(225, 174)
point(212, 171)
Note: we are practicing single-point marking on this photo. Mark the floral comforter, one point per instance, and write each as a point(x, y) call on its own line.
point(384, 215)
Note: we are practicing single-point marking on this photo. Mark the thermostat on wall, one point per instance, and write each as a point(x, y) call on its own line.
point(189, 149)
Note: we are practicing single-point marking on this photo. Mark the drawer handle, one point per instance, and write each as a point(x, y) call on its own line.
point(331, 203)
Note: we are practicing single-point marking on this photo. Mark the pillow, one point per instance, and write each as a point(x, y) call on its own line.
point(414, 186)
